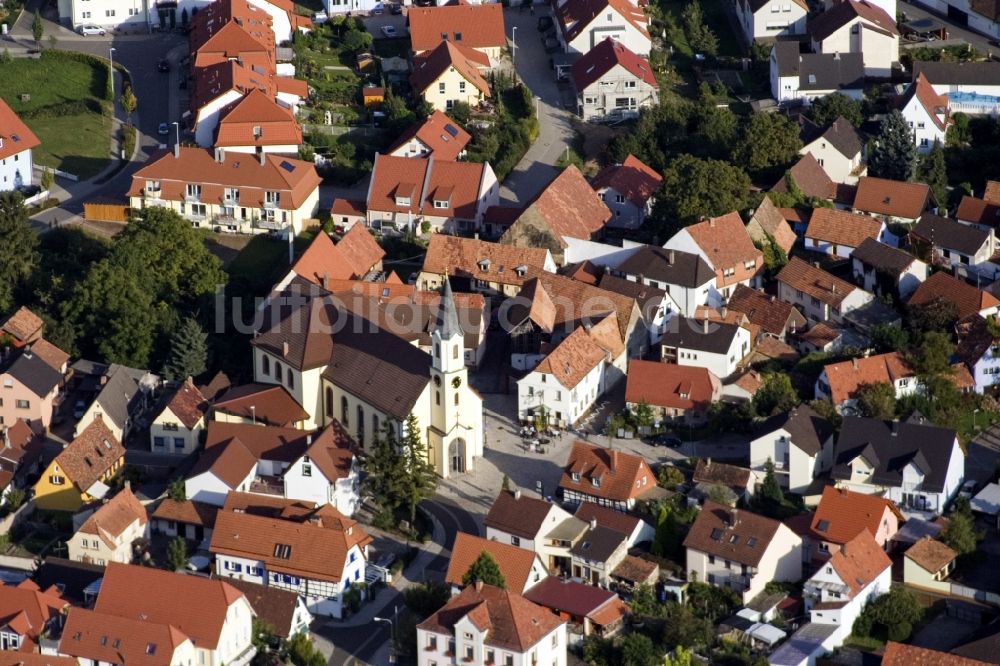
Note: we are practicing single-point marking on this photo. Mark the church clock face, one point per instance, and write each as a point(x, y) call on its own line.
point(437, 380)
point(456, 382)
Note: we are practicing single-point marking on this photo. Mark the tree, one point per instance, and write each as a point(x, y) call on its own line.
point(825, 110)
point(680, 657)
point(638, 650)
point(933, 355)
point(460, 112)
point(184, 18)
point(683, 629)
point(420, 479)
point(600, 651)
point(177, 555)
point(694, 187)
point(37, 29)
point(932, 170)
point(775, 395)
point(889, 338)
point(262, 635)
point(15, 498)
point(663, 539)
point(938, 314)
point(18, 251)
point(128, 102)
point(188, 352)
point(505, 483)
point(958, 133)
point(669, 476)
point(643, 414)
point(384, 479)
point(302, 651)
point(177, 490)
point(766, 140)
point(959, 534)
point(357, 40)
point(425, 599)
point(485, 569)
point(721, 494)
point(893, 155)
point(48, 178)
point(699, 35)
point(877, 400)
point(897, 610)
point(770, 489)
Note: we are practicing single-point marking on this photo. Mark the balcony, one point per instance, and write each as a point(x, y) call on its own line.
point(152, 192)
point(271, 225)
point(268, 485)
point(192, 197)
point(270, 204)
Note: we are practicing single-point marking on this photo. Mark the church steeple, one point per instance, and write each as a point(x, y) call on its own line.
point(447, 325)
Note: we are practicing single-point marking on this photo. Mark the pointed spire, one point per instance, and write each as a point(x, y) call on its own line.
point(447, 319)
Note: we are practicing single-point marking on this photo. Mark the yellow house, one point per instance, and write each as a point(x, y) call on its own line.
point(81, 472)
point(927, 564)
point(450, 74)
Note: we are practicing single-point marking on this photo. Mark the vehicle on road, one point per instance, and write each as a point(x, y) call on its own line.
point(551, 44)
point(163, 65)
point(163, 129)
point(378, 10)
point(389, 31)
point(665, 440)
point(544, 23)
point(90, 30)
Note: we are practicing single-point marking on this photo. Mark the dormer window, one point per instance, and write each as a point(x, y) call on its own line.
point(152, 186)
point(595, 481)
point(439, 203)
point(257, 131)
point(232, 195)
point(575, 476)
point(521, 271)
point(484, 265)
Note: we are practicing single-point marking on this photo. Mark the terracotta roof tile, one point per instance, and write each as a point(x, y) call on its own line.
point(931, 554)
point(272, 404)
point(272, 605)
point(231, 463)
point(637, 570)
point(13, 658)
point(257, 120)
point(632, 179)
point(15, 136)
point(188, 512)
point(572, 359)
point(444, 138)
point(423, 180)
point(29, 608)
point(623, 523)
point(967, 298)
point(114, 517)
point(979, 211)
point(731, 476)
point(53, 356)
point(23, 325)
point(843, 13)
point(604, 57)
point(846, 377)
point(473, 26)
point(518, 514)
point(575, 300)
point(733, 534)
point(323, 260)
point(480, 260)
point(725, 243)
point(360, 249)
point(991, 193)
point(574, 16)
point(515, 563)
point(263, 442)
point(770, 314)
point(935, 105)
point(619, 475)
point(898, 654)
point(429, 66)
point(810, 178)
point(569, 207)
point(859, 562)
point(90, 455)
point(332, 451)
point(100, 637)
point(891, 197)
point(815, 282)
point(671, 386)
point(577, 599)
point(773, 223)
point(841, 228)
point(843, 514)
point(188, 404)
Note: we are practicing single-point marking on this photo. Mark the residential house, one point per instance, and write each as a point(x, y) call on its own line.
point(891, 200)
point(821, 296)
point(82, 470)
point(926, 112)
point(30, 613)
point(189, 519)
point(765, 20)
point(843, 514)
point(230, 191)
point(348, 212)
point(520, 567)
point(899, 654)
point(858, 26)
point(486, 624)
point(598, 553)
point(950, 243)
point(774, 318)
point(23, 327)
point(255, 123)
point(219, 625)
point(886, 271)
point(94, 638)
point(473, 26)
point(802, 78)
point(768, 225)
point(674, 392)
point(16, 143)
point(118, 400)
point(685, 276)
point(266, 404)
point(478, 265)
point(31, 379)
point(927, 565)
point(839, 233)
point(840, 382)
point(587, 609)
point(282, 610)
point(340, 374)
point(450, 74)
point(178, 426)
point(320, 556)
point(628, 189)
point(327, 472)
point(109, 533)
point(562, 218)
point(534, 524)
point(35, 659)
point(20, 452)
point(612, 83)
point(972, 88)
point(725, 245)
point(710, 474)
point(854, 576)
point(918, 466)
point(981, 213)
point(839, 149)
point(979, 351)
point(583, 24)
point(605, 476)
point(798, 443)
point(405, 192)
point(356, 256)
point(635, 530)
point(717, 346)
point(741, 550)
point(437, 135)
point(655, 305)
point(968, 299)
point(809, 178)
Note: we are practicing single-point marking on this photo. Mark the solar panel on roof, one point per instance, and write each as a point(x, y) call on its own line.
point(450, 129)
point(287, 166)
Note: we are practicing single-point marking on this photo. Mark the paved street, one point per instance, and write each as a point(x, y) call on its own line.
point(978, 41)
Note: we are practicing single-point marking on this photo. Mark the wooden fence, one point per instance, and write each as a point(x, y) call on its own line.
point(106, 212)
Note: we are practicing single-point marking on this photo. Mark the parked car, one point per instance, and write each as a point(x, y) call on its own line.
point(90, 30)
point(319, 18)
point(551, 44)
point(163, 129)
point(163, 65)
point(378, 10)
point(396, 9)
point(78, 409)
point(544, 23)
point(389, 31)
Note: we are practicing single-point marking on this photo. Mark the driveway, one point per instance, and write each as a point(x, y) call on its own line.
point(537, 167)
point(955, 31)
point(983, 454)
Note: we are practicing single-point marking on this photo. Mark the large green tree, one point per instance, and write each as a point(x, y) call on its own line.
point(776, 394)
point(931, 169)
point(960, 533)
point(638, 650)
point(18, 246)
point(694, 187)
point(188, 351)
point(385, 475)
point(766, 140)
point(699, 35)
point(177, 555)
point(938, 314)
point(770, 489)
point(485, 569)
point(877, 400)
point(420, 479)
point(825, 110)
point(893, 154)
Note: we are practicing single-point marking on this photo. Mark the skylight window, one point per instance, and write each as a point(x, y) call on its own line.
point(716, 534)
point(823, 526)
point(282, 551)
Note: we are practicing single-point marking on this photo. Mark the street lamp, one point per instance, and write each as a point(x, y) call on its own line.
point(111, 59)
point(513, 41)
point(537, 100)
point(392, 632)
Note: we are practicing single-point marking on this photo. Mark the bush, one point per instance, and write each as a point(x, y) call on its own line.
point(900, 631)
point(128, 141)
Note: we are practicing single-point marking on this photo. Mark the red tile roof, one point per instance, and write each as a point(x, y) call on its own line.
point(519, 514)
point(632, 179)
point(931, 554)
point(843, 13)
point(839, 227)
point(15, 136)
point(575, 16)
point(619, 475)
point(112, 519)
point(606, 56)
point(568, 206)
point(891, 197)
point(515, 563)
point(473, 26)
point(100, 637)
point(934, 104)
point(480, 260)
point(815, 282)
point(271, 404)
point(671, 386)
point(188, 512)
point(23, 325)
point(980, 211)
point(455, 182)
point(859, 562)
point(188, 404)
point(429, 66)
point(214, 81)
point(846, 377)
point(257, 120)
point(765, 311)
point(27, 609)
point(968, 299)
point(725, 243)
point(733, 534)
point(810, 178)
point(846, 514)
point(576, 356)
point(332, 452)
point(443, 137)
point(991, 193)
point(360, 250)
point(90, 455)
point(898, 654)
point(566, 596)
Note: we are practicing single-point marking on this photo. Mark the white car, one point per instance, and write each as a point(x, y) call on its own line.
point(319, 18)
point(90, 30)
point(389, 31)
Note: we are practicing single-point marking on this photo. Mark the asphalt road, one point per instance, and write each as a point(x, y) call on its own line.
point(979, 42)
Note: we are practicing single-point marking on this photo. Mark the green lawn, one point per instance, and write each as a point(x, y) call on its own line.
point(65, 110)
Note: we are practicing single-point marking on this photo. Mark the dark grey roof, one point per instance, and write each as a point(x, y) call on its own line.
point(984, 644)
point(37, 375)
point(959, 73)
point(808, 429)
point(843, 136)
point(598, 544)
point(894, 445)
point(683, 269)
point(643, 294)
point(871, 314)
point(787, 56)
point(831, 71)
point(707, 336)
point(882, 256)
point(117, 394)
point(72, 577)
point(949, 234)
point(447, 316)
point(808, 130)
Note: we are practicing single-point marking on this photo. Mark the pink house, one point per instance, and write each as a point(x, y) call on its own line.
point(30, 381)
point(843, 514)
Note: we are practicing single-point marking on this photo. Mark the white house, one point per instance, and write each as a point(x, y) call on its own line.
point(887, 271)
point(327, 473)
point(764, 20)
point(839, 149)
point(918, 466)
point(971, 87)
point(628, 190)
point(805, 77)
point(583, 24)
point(612, 82)
point(108, 533)
point(116, 402)
point(89, 638)
point(686, 277)
point(979, 351)
point(798, 443)
point(178, 427)
point(821, 296)
point(858, 26)
point(16, 143)
point(534, 524)
point(838, 232)
point(952, 243)
point(839, 382)
point(319, 556)
point(743, 551)
point(926, 112)
point(716, 346)
point(487, 625)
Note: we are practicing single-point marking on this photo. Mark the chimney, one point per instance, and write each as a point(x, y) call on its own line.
point(854, 362)
point(517, 494)
point(723, 311)
point(895, 428)
point(704, 325)
point(773, 298)
point(177, 151)
point(711, 222)
point(284, 348)
point(593, 523)
point(263, 158)
point(736, 517)
point(309, 440)
point(128, 485)
point(479, 585)
point(670, 257)
point(220, 155)
point(833, 287)
point(614, 460)
point(325, 280)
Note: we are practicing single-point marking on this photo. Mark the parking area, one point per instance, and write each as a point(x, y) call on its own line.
point(377, 24)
